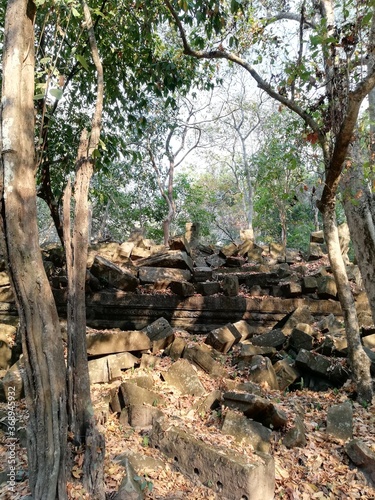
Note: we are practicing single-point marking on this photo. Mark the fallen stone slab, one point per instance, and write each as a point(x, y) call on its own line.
point(230, 286)
point(143, 415)
point(340, 421)
point(329, 368)
point(301, 314)
point(183, 376)
point(363, 457)
point(107, 368)
point(208, 288)
point(202, 274)
point(133, 394)
point(204, 360)
point(223, 339)
point(327, 288)
point(295, 437)
point(300, 340)
point(172, 259)
point(231, 475)
point(274, 338)
point(182, 288)
point(208, 403)
point(160, 333)
point(257, 408)
point(104, 269)
point(286, 374)
point(251, 432)
point(262, 372)
point(116, 341)
point(154, 274)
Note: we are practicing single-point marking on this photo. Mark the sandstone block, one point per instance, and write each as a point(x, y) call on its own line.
point(232, 476)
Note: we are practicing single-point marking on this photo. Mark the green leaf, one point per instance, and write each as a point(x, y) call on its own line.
point(82, 61)
point(37, 97)
point(56, 93)
point(75, 12)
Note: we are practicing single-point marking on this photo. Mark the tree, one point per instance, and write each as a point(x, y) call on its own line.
point(41, 338)
point(324, 81)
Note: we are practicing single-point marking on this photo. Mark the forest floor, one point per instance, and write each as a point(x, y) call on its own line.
point(320, 470)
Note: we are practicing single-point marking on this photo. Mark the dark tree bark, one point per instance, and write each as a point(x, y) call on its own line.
point(43, 352)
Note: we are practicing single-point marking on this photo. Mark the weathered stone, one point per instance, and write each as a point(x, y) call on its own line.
point(182, 288)
point(277, 250)
point(245, 247)
point(295, 437)
point(232, 476)
point(6, 294)
point(4, 279)
point(140, 461)
point(249, 387)
point(202, 274)
point(139, 253)
point(203, 359)
point(103, 269)
point(334, 345)
point(322, 366)
point(300, 315)
point(285, 373)
point(235, 262)
point(283, 270)
point(257, 408)
point(149, 361)
point(255, 255)
point(153, 274)
point(262, 372)
point(317, 237)
point(228, 250)
point(252, 433)
point(126, 249)
point(273, 338)
point(14, 380)
point(172, 259)
point(143, 415)
point(176, 349)
point(256, 291)
point(300, 340)
point(363, 457)
point(105, 369)
point(315, 251)
point(329, 323)
point(340, 421)
point(292, 256)
point(246, 330)
point(230, 286)
point(5, 352)
point(327, 288)
point(159, 329)
point(180, 243)
point(248, 351)
point(183, 377)
point(369, 341)
point(129, 488)
point(208, 288)
point(145, 381)
point(208, 403)
point(117, 341)
point(133, 394)
point(215, 261)
point(222, 339)
point(291, 289)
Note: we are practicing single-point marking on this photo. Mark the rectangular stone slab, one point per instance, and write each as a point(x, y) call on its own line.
point(231, 475)
point(119, 341)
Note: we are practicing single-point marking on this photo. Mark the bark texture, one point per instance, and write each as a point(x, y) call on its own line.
point(44, 375)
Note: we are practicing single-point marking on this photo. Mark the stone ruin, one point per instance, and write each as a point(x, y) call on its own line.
point(274, 312)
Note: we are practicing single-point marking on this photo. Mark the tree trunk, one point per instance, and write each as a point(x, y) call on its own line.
point(43, 352)
point(360, 213)
point(358, 359)
point(80, 411)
